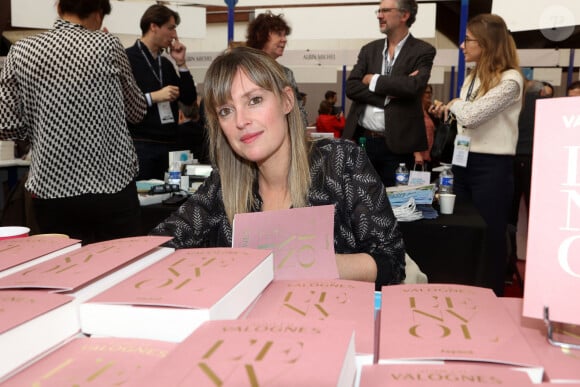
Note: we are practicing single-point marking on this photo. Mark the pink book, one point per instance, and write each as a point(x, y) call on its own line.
point(552, 265)
point(14, 252)
point(302, 240)
point(31, 323)
point(561, 365)
point(321, 300)
point(260, 353)
point(82, 266)
point(170, 298)
point(448, 322)
point(93, 362)
point(447, 375)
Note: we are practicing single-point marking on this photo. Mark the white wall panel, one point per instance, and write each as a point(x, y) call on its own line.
point(348, 22)
point(537, 57)
point(260, 3)
point(437, 75)
point(125, 16)
point(552, 75)
point(538, 13)
point(33, 13)
point(322, 74)
point(192, 21)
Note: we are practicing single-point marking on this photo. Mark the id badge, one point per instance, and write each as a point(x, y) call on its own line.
point(461, 150)
point(165, 113)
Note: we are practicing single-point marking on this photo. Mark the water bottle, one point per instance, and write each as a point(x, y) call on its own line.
point(446, 180)
point(402, 174)
point(175, 173)
point(362, 142)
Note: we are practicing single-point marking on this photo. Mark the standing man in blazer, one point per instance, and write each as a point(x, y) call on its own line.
point(386, 86)
point(157, 134)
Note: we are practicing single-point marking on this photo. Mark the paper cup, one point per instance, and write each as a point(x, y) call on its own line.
point(446, 203)
point(10, 232)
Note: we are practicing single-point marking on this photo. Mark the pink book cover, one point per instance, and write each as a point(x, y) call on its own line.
point(302, 240)
point(321, 300)
point(93, 362)
point(449, 322)
point(13, 252)
point(187, 278)
point(20, 306)
point(561, 365)
point(447, 375)
point(552, 264)
point(80, 267)
point(260, 353)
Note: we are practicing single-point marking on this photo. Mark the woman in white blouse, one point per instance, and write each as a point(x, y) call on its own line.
point(487, 116)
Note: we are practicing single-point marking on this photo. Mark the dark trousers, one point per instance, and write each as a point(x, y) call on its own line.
point(153, 158)
point(91, 217)
point(385, 161)
point(488, 182)
point(522, 185)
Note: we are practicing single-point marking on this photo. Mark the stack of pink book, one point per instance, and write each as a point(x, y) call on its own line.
point(171, 298)
point(322, 300)
point(259, 352)
point(437, 375)
point(85, 361)
point(91, 268)
point(31, 323)
point(446, 323)
point(20, 253)
point(39, 301)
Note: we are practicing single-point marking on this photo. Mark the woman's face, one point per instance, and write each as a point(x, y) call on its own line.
point(471, 48)
point(254, 121)
point(276, 44)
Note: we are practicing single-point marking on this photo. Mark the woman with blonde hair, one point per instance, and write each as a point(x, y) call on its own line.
point(264, 161)
point(487, 114)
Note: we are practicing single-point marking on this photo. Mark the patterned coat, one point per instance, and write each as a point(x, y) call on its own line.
point(71, 91)
point(341, 175)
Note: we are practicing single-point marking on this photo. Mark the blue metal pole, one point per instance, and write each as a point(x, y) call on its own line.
point(231, 7)
point(570, 67)
point(460, 58)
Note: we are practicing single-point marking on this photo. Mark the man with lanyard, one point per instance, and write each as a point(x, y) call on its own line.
point(157, 134)
point(386, 86)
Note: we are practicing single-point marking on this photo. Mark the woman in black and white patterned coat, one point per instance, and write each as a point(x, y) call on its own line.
point(265, 162)
point(70, 91)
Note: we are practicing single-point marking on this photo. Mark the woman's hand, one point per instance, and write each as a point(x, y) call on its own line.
point(439, 109)
point(357, 267)
point(418, 158)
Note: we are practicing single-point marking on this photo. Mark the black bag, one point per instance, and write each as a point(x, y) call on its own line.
point(442, 150)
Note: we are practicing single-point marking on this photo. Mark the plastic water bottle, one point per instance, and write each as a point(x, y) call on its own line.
point(175, 173)
point(362, 142)
point(402, 174)
point(446, 180)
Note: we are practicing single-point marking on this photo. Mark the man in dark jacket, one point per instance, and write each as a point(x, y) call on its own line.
point(157, 134)
point(386, 86)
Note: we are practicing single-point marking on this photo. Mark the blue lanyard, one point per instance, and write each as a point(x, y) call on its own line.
point(158, 77)
point(470, 89)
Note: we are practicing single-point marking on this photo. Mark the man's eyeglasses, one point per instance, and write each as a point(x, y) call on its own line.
point(469, 40)
point(385, 10)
